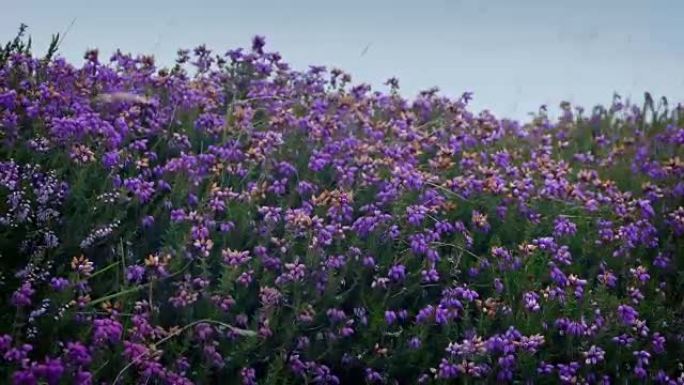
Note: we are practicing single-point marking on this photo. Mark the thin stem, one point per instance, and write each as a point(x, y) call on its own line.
point(242, 332)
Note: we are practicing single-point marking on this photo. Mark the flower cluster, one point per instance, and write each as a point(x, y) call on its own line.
point(233, 220)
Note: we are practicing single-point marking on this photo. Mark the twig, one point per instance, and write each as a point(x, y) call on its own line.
point(117, 294)
point(134, 289)
point(242, 332)
point(462, 248)
point(102, 270)
point(66, 31)
point(448, 191)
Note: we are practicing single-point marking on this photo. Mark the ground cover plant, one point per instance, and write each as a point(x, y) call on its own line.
point(231, 220)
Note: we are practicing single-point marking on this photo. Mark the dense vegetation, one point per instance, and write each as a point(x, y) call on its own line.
point(233, 221)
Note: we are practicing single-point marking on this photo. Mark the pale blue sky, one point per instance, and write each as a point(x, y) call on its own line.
point(514, 55)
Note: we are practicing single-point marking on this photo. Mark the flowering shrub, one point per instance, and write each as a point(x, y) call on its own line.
point(233, 221)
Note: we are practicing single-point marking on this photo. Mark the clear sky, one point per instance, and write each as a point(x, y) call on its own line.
point(513, 54)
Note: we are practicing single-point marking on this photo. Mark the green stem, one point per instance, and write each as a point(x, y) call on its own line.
point(108, 267)
point(116, 295)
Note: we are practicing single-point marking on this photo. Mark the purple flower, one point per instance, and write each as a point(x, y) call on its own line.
point(545, 368)
point(258, 43)
point(425, 314)
point(594, 355)
point(531, 301)
point(567, 373)
point(372, 376)
point(24, 377)
point(369, 262)
point(397, 272)
point(532, 343)
point(336, 315)
point(107, 330)
point(640, 372)
point(18, 353)
point(77, 354)
point(5, 343)
point(642, 357)
point(658, 343)
point(143, 190)
point(416, 214)
point(480, 221)
point(640, 273)
point(22, 296)
point(323, 376)
point(627, 315)
point(563, 256)
point(390, 317)
point(562, 226)
point(447, 370)
point(624, 340)
point(135, 273)
point(177, 215)
point(51, 370)
point(662, 261)
point(83, 378)
point(226, 227)
point(498, 285)
point(147, 221)
point(429, 276)
point(608, 278)
point(415, 343)
point(59, 284)
point(248, 376)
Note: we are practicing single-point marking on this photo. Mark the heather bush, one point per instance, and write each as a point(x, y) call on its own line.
point(231, 220)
